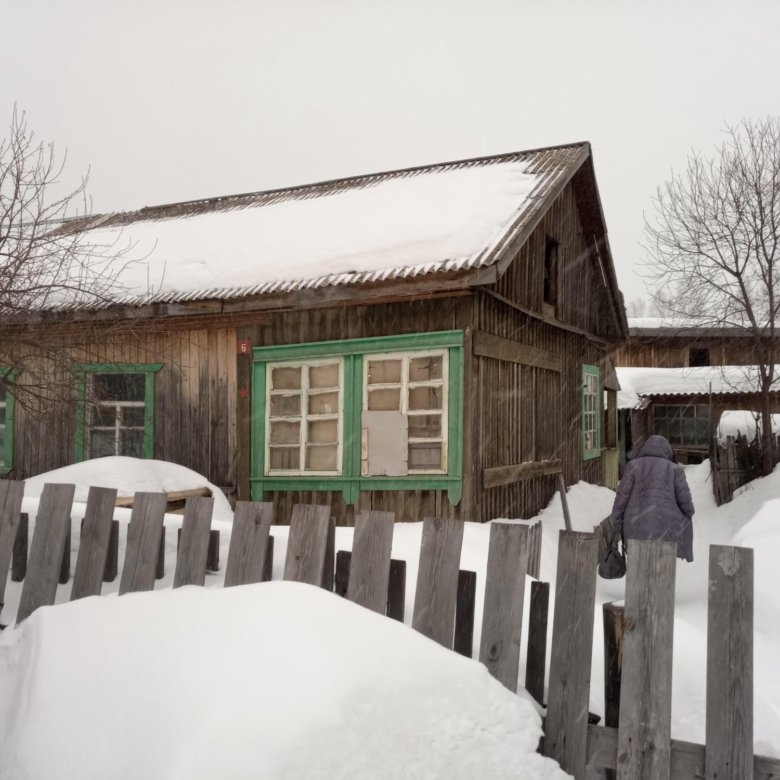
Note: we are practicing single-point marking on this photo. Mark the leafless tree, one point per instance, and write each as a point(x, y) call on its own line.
point(714, 246)
point(45, 267)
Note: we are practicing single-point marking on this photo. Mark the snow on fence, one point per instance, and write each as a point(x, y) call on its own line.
point(735, 462)
point(635, 743)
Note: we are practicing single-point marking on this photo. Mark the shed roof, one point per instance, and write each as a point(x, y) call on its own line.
point(429, 220)
point(640, 385)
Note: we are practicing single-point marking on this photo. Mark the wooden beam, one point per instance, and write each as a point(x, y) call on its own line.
point(488, 345)
point(505, 475)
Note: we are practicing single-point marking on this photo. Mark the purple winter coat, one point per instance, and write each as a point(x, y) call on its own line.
point(653, 500)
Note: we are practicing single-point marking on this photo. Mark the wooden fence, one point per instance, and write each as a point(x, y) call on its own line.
point(736, 462)
point(635, 743)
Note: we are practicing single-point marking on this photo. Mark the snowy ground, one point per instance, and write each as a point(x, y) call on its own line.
point(247, 639)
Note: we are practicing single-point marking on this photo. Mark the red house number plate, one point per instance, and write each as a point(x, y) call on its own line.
point(243, 346)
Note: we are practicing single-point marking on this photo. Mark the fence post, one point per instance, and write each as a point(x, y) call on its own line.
point(65, 563)
point(343, 565)
point(396, 590)
point(644, 735)
point(536, 657)
point(464, 613)
point(568, 694)
point(728, 753)
point(613, 619)
point(21, 543)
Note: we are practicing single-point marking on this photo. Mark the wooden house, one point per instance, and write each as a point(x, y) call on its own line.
point(430, 341)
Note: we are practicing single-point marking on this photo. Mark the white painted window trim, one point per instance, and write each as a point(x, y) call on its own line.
point(117, 406)
point(304, 417)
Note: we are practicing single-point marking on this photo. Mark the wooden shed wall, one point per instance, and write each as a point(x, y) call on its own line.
point(675, 352)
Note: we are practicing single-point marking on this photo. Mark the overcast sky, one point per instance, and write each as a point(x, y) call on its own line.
point(180, 99)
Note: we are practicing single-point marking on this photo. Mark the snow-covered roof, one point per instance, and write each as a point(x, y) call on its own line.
point(437, 219)
point(638, 385)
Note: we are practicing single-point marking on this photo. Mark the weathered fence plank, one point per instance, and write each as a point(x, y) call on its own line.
point(144, 534)
point(343, 565)
point(212, 557)
point(65, 562)
point(369, 568)
point(21, 543)
point(396, 590)
point(687, 757)
point(566, 726)
point(112, 558)
point(437, 580)
point(502, 617)
point(646, 685)
point(159, 571)
point(330, 557)
point(11, 494)
point(268, 566)
point(536, 656)
point(48, 542)
point(249, 540)
point(307, 545)
point(464, 613)
point(93, 543)
point(612, 623)
point(729, 741)
point(194, 548)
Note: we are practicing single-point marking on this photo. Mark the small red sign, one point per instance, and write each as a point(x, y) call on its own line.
point(243, 346)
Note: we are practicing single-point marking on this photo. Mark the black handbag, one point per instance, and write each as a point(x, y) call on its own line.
point(612, 563)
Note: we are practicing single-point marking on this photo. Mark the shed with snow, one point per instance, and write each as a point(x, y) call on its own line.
point(430, 341)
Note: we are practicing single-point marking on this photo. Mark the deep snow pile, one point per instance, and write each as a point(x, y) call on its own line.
point(278, 680)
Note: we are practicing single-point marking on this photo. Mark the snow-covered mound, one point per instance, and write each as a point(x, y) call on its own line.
point(129, 475)
point(278, 680)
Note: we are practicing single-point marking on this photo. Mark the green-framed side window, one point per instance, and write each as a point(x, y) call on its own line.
point(115, 410)
point(6, 420)
point(591, 412)
point(361, 414)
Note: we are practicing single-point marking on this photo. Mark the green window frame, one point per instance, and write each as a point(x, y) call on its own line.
point(7, 403)
point(351, 355)
point(591, 412)
point(83, 373)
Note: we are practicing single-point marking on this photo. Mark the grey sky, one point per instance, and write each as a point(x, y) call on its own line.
point(179, 99)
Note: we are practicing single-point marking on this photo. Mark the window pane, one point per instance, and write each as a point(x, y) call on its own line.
point(384, 372)
point(2, 442)
point(133, 416)
point(323, 432)
point(425, 397)
point(324, 403)
point(101, 443)
point(425, 456)
point(286, 378)
point(324, 376)
point(132, 444)
point(103, 416)
point(285, 406)
point(424, 426)
point(321, 458)
point(424, 369)
point(2, 414)
point(285, 458)
point(119, 387)
point(285, 432)
point(387, 400)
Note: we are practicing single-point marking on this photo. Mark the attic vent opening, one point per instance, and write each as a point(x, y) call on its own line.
point(550, 294)
point(698, 357)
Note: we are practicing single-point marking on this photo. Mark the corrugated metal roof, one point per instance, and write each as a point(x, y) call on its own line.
point(550, 167)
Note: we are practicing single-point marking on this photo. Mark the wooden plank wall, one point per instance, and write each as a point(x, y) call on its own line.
point(195, 410)
point(673, 352)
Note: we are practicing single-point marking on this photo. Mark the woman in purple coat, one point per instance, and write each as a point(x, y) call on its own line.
point(653, 500)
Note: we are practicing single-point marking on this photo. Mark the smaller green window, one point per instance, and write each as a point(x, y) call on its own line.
point(591, 412)
point(115, 410)
point(6, 420)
